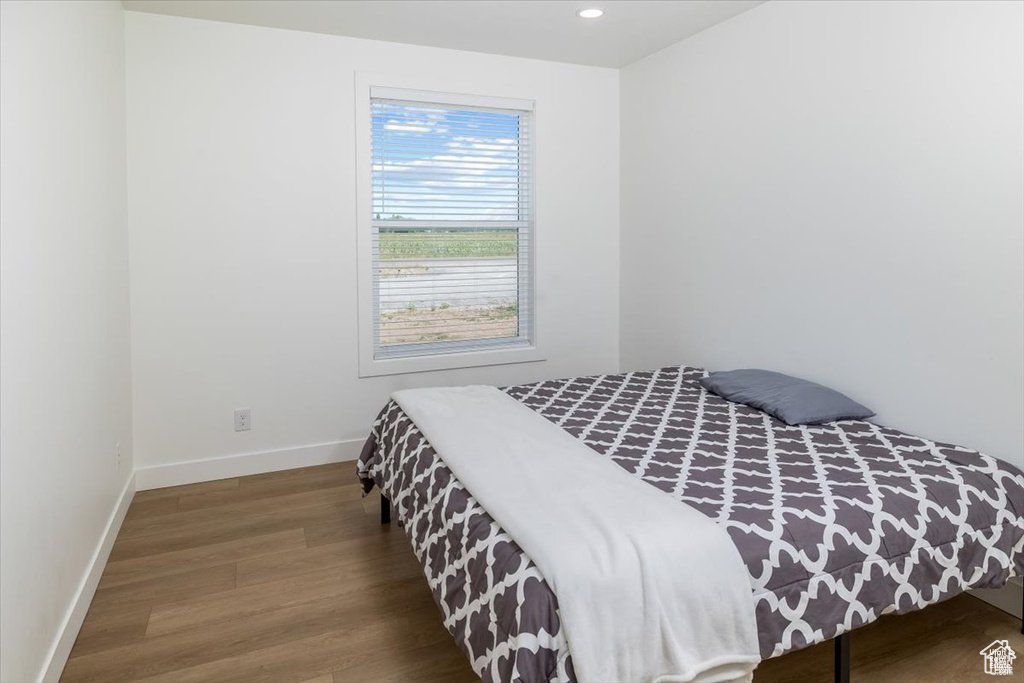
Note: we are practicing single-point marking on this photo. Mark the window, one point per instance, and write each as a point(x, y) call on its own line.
point(451, 224)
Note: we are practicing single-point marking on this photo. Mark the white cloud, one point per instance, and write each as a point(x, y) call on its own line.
point(477, 176)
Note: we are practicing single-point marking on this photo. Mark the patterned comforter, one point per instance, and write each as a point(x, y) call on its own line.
point(837, 523)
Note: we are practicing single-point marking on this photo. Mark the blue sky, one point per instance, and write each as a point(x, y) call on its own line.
point(437, 163)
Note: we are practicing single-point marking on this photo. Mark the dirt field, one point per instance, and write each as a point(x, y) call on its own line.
point(409, 326)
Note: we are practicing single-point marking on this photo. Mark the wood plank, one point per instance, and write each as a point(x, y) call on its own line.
point(232, 594)
point(121, 572)
point(187, 489)
point(187, 519)
point(430, 664)
point(323, 678)
point(344, 472)
point(234, 526)
point(990, 621)
point(380, 547)
point(249, 491)
point(161, 590)
point(323, 531)
point(248, 602)
point(297, 658)
point(140, 509)
point(171, 653)
point(104, 629)
point(371, 503)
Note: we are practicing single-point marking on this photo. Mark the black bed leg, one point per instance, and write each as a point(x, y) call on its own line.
point(385, 510)
point(842, 659)
point(1022, 613)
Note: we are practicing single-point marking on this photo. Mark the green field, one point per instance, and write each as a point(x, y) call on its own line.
point(437, 244)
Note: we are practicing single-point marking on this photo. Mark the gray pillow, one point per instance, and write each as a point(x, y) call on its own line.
point(792, 400)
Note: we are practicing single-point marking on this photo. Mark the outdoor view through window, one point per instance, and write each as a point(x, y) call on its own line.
point(452, 227)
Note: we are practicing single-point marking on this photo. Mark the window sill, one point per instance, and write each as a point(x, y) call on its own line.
point(371, 367)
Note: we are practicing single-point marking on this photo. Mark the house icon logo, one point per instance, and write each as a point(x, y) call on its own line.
point(999, 658)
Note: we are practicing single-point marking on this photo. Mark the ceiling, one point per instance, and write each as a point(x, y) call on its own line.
point(539, 29)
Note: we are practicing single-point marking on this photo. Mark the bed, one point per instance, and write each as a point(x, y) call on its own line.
point(836, 524)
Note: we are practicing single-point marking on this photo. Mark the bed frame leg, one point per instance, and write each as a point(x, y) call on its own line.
point(842, 664)
point(385, 510)
point(1022, 613)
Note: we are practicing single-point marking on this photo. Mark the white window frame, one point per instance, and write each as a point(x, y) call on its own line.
point(439, 92)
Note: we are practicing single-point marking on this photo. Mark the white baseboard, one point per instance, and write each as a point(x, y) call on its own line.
point(225, 467)
point(188, 472)
point(1008, 598)
point(67, 633)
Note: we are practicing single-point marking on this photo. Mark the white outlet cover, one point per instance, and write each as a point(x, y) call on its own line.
point(243, 420)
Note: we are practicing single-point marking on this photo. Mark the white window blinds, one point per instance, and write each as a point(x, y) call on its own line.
point(451, 228)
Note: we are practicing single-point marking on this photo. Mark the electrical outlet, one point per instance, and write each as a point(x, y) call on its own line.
point(243, 420)
point(117, 447)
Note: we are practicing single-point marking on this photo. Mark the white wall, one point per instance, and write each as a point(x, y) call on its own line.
point(241, 150)
point(65, 395)
point(834, 190)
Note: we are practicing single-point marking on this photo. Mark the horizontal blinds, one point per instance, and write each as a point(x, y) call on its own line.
point(437, 163)
point(452, 227)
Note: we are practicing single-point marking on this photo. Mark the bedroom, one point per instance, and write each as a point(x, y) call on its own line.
point(196, 256)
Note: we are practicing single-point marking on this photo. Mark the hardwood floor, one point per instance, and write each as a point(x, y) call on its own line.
point(289, 577)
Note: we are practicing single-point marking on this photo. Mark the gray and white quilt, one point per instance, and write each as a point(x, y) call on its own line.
point(837, 523)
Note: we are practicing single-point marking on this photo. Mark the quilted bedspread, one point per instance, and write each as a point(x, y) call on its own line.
point(837, 524)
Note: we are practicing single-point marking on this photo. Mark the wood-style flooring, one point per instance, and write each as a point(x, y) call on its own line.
point(289, 577)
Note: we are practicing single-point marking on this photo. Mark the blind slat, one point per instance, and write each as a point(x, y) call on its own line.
point(452, 228)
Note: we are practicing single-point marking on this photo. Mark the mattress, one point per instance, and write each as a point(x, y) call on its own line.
point(837, 524)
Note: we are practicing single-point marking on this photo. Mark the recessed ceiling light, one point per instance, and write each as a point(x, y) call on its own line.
point(589, 13)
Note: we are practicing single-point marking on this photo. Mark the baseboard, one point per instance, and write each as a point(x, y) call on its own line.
point(225, 467)
point(172, 475)
point(68, 632)
point(1008, 598)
